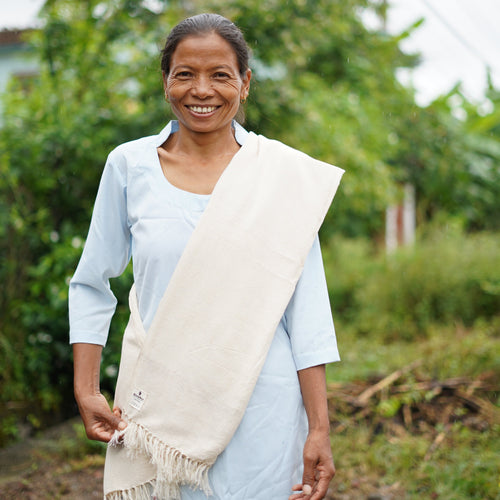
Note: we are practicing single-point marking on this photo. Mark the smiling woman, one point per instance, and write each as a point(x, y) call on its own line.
point(204, 87)
point(221, 391)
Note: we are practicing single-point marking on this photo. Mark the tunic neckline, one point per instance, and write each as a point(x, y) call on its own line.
point(183, 197)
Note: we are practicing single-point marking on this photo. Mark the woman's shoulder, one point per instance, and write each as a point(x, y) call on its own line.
point(124, 159)
point(137, 150)
point(133, 149)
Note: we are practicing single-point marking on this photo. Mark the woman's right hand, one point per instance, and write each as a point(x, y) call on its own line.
point(99, 421)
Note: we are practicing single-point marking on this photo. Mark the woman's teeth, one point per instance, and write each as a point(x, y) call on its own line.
point(202, 109)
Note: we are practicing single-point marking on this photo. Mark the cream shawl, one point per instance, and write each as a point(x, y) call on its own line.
point(183, 388)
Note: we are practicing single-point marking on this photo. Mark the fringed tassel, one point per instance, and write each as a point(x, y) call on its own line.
point(147, 491)
point(172, 467)
point(141, 492)
point(165, 491)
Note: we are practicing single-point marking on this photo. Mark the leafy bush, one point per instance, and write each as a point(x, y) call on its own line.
point(35, 361)
point(36, 367)
point(347, 262)
point(446, 278)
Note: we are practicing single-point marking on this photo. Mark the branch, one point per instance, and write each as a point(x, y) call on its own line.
point(363, 398)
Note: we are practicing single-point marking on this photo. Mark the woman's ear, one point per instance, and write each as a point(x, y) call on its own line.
point(165, 79)
point(246, 84)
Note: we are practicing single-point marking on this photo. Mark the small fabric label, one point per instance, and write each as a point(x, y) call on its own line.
point(137, 399)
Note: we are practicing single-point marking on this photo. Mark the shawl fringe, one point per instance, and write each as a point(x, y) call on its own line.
point(141, 492)
point(173, 468)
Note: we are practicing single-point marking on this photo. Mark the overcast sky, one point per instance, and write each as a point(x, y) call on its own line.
point(458, 40)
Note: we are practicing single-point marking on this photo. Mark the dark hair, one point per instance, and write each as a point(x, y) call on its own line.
point(204, 24)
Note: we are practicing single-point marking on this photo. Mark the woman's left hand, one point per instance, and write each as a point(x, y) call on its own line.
point(319, 468)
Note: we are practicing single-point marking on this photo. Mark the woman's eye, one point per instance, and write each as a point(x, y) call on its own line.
point(183, 74)
point(221, 75)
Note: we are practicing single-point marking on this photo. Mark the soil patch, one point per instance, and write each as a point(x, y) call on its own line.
point(53, 465)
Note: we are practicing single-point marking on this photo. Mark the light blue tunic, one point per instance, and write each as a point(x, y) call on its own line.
point(139, 213)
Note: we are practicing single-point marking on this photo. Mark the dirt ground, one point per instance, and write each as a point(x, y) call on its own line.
point(36, 469)
point(49, 467)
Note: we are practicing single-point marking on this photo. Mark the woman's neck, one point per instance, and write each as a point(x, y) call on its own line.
point(203, 146)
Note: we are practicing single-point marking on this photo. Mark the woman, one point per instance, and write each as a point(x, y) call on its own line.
point(152, 195)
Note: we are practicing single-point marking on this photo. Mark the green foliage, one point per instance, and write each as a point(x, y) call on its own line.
point(78, 446)
point(446, 278)
point(347, 263)
point(442, 281)
point(453, 164)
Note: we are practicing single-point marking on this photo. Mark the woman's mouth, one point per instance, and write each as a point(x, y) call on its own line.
point(202, 110)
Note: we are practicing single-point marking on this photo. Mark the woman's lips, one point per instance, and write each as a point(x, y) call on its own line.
point(202, 110)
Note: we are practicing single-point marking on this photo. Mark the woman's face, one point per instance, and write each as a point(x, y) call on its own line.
point(204, 85)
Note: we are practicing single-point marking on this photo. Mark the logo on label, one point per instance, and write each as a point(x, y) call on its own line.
point(137, 399)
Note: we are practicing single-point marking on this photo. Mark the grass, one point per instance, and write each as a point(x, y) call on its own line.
point(466, 463)
point(465, 466)
point(445, 352)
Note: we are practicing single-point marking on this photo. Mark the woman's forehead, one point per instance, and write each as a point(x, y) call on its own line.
point(199, 48)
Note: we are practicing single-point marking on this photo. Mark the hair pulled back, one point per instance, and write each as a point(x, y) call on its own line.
point(205, 24)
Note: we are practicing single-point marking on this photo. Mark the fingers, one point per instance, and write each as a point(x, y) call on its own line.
point(324, 476)
point(116, 421)
point(299, 494)
point(104, 429)
point(305, 492)
point(321, 489)
point(302, 492)
point(321, 476)
point(104, 434)
point(100, 422)
point(121, 424)
point(308, 477)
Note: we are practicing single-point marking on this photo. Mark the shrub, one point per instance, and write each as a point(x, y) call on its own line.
point(347, 262)
point(36, 367)
point(447, 278)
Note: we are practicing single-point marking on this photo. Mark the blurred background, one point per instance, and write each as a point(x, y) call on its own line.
point(403, 95)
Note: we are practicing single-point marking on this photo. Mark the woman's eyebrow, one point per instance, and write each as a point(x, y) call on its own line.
point(226, 67)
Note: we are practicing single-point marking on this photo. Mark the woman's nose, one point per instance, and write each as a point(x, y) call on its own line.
point(202, 87)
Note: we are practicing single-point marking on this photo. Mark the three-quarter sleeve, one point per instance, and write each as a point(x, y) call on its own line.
point(105, 255)
point(308, 317)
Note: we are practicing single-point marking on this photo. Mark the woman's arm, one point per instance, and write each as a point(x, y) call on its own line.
point(318, 463)
point(106, 254)
point(100, 422)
